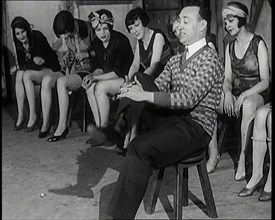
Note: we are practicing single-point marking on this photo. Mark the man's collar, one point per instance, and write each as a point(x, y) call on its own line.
point(195, 47)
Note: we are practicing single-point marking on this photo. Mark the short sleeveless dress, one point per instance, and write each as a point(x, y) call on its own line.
point(146, 55)
point(83, 37)
point(246, 71)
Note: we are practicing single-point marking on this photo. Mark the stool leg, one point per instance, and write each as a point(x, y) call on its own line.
point(178, 193)
point(84, 115)
point(155, 193)
point(185, 187)
point(207, 191)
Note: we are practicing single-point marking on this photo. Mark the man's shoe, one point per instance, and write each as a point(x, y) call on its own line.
point(107, 136)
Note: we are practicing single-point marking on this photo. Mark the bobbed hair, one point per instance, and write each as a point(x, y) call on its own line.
point(242, 20)
point(63, 22)
point(22, 23)
point(135, 14)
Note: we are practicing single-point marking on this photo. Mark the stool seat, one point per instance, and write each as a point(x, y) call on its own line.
point(194, 159)
point(181, 191)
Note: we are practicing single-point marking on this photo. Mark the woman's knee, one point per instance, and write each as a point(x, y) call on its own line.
point(251, 103)
point(61, 82)
point(91, 90)
point(101, 89)
point(19, 76)
point(47, 81)
point(261, 116)
point(26, 76)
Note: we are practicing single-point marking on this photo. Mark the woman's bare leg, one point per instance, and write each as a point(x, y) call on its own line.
point(65, 84)
point(103, 90)
point(213, 150)
point(93, 104)
point(267, 186)
point(20, 96)
point(30, 77)
point(250, 105)
point(259, 146)
point(48, 82)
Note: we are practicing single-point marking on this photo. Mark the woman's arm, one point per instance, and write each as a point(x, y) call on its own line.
point(136, 62)
point(227, 85)
point(156, 55)
point(105, 76)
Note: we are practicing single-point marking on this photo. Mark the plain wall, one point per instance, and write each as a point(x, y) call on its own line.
point(264, 28)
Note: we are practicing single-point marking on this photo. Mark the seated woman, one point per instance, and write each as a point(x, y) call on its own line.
point(246, 74)
point(36, 61)
point(113, 58)
point(78, 36)
point(262, 137)
point(152, 52)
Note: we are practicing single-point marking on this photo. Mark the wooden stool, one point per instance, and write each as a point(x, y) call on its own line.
point(181, 193)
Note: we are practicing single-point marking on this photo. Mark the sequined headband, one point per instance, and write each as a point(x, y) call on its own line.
point(95, 19)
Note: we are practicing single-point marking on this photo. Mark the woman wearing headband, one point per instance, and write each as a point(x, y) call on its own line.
point(246, 74)
point(152, 52)
point(38, 64)
point(113, 58)
point(76, 63)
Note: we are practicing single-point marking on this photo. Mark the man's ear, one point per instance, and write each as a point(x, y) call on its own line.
point(203, 25)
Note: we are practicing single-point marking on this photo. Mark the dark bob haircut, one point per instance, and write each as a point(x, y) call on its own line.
point(63, 22)
point(242, 21)
point(22, 23)
point(135, 14)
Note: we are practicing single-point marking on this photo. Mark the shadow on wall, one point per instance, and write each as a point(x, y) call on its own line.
point(8, 62)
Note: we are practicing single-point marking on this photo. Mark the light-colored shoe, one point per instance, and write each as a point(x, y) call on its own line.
point(211, 165)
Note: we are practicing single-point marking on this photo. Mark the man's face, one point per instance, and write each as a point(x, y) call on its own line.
point(190, 25)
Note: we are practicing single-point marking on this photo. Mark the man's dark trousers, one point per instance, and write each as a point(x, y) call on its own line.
point(176, 138)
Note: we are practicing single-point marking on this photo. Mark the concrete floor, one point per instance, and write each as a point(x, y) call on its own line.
point(77, 181)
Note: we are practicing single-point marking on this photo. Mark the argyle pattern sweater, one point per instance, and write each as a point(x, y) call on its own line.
point(194, 84)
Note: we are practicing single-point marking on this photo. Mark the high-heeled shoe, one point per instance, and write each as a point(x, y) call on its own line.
point(59, 137)
point(31, 128)
point(43, 134)
point(265, 196)
point(213, 165)
point(19, 127)
point(245, 192)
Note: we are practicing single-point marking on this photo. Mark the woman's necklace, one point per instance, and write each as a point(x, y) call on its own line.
point(27, 51)
point(147, 39)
